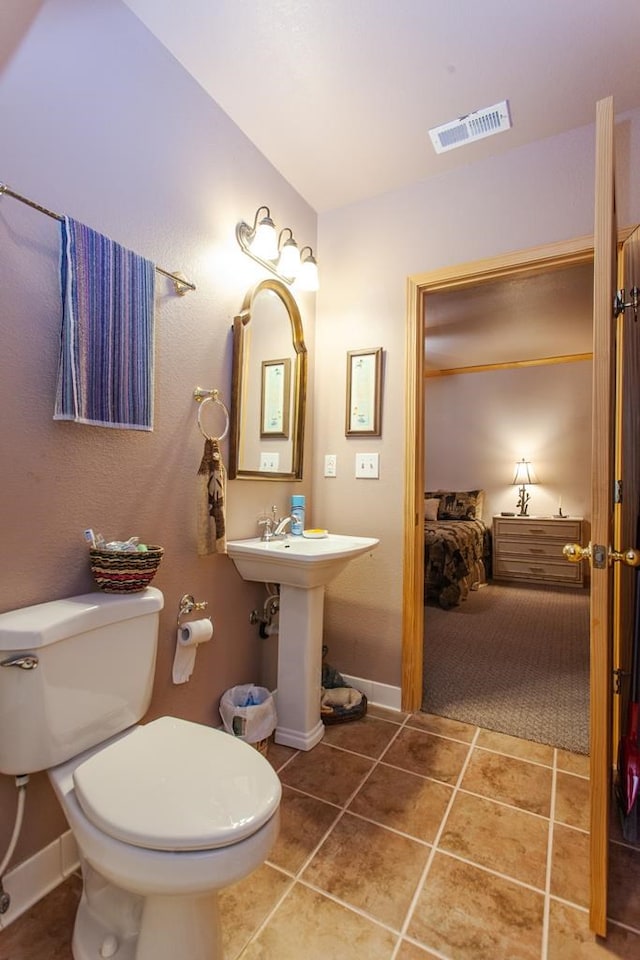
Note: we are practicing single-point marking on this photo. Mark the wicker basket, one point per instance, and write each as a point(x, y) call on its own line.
point(123, 572)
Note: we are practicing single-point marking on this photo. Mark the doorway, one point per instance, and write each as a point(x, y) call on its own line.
point(508, 375)
point(521, 264)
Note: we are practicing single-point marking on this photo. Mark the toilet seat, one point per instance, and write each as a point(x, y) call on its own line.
point(177, 785)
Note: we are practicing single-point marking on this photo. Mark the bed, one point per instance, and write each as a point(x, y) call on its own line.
point(457, 546)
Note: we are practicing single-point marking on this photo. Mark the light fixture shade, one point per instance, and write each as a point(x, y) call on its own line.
point(524, 473)
point(264, 242)
point(289, 262)
point(308, 275)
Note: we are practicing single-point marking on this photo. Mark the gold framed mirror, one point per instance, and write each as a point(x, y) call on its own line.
point(267, 413)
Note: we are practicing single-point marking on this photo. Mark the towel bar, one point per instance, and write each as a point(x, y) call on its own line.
point(180, 283)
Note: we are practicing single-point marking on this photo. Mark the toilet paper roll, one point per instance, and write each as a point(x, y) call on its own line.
point(190, 635)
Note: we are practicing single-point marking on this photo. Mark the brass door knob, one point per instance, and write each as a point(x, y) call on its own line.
point(574, 553)
point(630, 557)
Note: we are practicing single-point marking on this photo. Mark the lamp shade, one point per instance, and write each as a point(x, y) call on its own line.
point(264, 243)
point(308, 275)
point(289, 262)
point(524, 474)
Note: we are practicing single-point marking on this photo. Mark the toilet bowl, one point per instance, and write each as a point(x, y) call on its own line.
point(164, 813)
point(164, 816)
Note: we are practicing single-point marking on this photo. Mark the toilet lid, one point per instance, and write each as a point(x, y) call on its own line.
point(176, 785)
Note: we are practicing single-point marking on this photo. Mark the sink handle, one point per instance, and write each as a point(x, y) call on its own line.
point(267, 533)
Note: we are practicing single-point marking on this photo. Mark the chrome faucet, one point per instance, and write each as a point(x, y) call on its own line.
point(280, 530)
point(274, 529)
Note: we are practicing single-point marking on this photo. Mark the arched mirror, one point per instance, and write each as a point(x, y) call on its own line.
point(269, 386)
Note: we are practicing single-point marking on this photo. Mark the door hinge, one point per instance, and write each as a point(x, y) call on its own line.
point(617, 491)
point(618, 674)
point(619, 305)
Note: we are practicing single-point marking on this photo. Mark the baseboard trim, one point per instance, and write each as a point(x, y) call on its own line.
point(32, 879)
point(380, 694)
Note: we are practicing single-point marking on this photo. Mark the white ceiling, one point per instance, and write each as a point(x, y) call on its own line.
point(339, 94)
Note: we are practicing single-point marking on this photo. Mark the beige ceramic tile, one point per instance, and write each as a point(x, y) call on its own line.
point(573, 763)
point(326, 773)
point(245, 905)
point(442, 726)
point(312, 926)
point(514, 747)
point(624, 885)
point(370, 868)
point(522, 784)
point(403, 801)
point(572, 800)
point(428, 755)
point(368, 736)
point(571, 939)
point(469, 914)
point(278, 754)
point(410, 951)
point(303, 822)
point(509, 841)
point(45, 930)
point(570, 865)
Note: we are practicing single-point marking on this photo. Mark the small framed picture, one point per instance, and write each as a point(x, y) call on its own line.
point(364, 393)
point(275, 398)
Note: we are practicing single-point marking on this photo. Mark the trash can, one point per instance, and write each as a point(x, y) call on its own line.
point(249, 713)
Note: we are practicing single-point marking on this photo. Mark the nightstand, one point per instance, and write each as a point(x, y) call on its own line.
point(529, 549)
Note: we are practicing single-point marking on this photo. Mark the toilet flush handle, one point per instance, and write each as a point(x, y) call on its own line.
point(27, 661)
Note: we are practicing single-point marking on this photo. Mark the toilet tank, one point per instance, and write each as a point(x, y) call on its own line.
point(74, 672)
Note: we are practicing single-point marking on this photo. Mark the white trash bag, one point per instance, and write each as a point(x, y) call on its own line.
point(248, 712)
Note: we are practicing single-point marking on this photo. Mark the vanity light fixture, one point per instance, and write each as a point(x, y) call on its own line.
point(278, 252)
point(524, 476)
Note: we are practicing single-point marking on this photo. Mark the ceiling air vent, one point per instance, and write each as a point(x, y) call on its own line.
point(475, 126)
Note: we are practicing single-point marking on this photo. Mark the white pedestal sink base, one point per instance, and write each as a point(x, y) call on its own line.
point(300, 667)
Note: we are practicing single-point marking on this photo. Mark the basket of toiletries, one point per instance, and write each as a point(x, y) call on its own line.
point(123, 566)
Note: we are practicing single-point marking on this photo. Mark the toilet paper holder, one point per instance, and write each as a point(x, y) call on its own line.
point(188, 605)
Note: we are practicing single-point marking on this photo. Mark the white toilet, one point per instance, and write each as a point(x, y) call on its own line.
point(164, 813)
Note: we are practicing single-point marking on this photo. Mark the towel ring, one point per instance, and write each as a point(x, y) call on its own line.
point(210, 396)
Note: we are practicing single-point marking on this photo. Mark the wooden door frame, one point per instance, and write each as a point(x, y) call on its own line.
point(522, 263)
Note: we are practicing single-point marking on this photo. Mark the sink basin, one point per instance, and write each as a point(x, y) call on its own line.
point(297, 561)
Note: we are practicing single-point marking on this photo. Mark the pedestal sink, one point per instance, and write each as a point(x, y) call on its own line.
point(302, 567)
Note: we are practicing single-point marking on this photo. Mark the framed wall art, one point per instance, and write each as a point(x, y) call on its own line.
point(364, 393)
point(275, 398)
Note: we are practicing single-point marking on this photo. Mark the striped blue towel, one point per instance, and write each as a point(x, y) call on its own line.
point(105, 372)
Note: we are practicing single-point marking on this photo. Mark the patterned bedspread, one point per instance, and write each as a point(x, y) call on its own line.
point(456, 553)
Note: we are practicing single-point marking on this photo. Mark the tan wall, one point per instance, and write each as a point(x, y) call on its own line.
point(101, 123)
point(477, 426)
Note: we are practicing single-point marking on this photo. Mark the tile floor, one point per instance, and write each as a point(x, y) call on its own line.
point(408, 837)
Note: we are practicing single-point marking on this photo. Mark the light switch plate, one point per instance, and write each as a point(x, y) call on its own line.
point(330, 465)
point(269, 462)
point(368, 466)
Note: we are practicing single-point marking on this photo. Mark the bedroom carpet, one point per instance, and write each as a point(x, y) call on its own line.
point(514, 659)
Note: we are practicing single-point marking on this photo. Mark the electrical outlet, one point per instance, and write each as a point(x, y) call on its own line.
point(330, 465)
point(368, 465)
point(269, 462)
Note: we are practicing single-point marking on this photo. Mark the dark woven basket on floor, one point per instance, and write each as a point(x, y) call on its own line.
point(123, 572)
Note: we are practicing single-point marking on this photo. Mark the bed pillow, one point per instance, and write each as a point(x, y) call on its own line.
point(461, 505)
point(431, 505)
